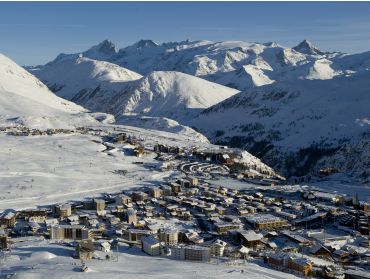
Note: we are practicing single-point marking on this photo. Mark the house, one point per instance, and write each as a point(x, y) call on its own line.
point(75, 232)
point(103, 246)
point(85, 250)
point(168, 235)
point(300, 265)
point(150, 245)
point(8, 219)
point(139, 151)
point(250, 238)
point(320, 250)
point(300, 240)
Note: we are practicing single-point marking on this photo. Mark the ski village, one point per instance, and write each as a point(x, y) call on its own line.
point(199, 214)
point(242, 152)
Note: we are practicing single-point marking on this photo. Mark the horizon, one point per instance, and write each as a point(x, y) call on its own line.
point(35, 33)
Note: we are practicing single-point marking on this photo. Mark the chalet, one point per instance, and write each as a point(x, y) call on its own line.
point(320, 250)
point(300, 240)
point(8, 219)
point(250, 238)
point(291, 263)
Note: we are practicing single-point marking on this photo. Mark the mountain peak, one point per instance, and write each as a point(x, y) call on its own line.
point(307, 47)
point(106, 48)
point(145, 44)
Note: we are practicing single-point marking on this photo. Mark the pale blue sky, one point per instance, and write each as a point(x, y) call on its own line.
point(35, 32)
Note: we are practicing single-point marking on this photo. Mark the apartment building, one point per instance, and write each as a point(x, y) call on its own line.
point(75, 232)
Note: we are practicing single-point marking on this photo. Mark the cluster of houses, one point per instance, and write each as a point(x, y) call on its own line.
point(290, 231)
point(307, 232)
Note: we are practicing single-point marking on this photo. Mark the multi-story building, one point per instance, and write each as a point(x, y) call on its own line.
point(266, 221)
point(139, 196)
point(123, 199)
point(99, 204)
point(217, 248)
point(135, 235)
point(130, 215)
point(168, 235)
point(291, 262)
point(8, 219)
point(197, 253)
point(63, 210)
point(223, 228)
point(155, 192)
point(75, 232)
point(150, 245)
point(190, 252)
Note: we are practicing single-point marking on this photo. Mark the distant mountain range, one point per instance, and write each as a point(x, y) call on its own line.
point(296, 108)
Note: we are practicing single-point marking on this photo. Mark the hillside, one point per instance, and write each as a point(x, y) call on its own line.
point(170, 94)
point(26, 100)
point(294, 125)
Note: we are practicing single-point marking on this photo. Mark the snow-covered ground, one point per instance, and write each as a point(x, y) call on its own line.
point(38, 259)
point(44, 169)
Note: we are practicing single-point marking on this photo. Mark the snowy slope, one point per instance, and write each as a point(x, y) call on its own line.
point(280, 121)
point(70, 76)
point(24, 99)
point(171, 94)
point(106, 87)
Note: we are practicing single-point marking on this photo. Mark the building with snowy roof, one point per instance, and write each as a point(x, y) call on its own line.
point(266, 221)
point(150, 245)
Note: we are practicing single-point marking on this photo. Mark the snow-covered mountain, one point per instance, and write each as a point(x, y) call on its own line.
point(69, 77)
point(106, 87)
point(236, 64)
point(170, 94)
point(26, 100)
point(295, 126)
point(295, 102)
